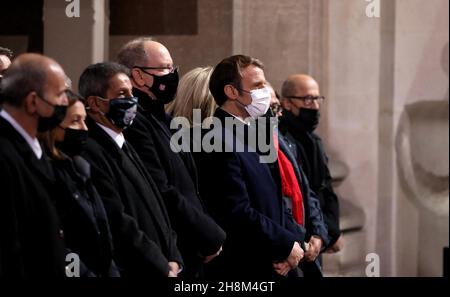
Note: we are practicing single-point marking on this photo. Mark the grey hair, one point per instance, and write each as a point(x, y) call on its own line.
point(288, 88)
point(133, 52)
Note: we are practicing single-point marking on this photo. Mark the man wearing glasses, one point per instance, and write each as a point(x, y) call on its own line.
point(301, 102)
point(155, 82)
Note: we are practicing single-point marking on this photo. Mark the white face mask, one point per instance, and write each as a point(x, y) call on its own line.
point(260, 102)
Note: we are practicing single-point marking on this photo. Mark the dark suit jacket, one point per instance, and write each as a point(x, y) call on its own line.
point(143, 239)
point(311, 156)
point(243, 197)
point(31, 243)
point(313, 218)
point(83, 216)
point(175, 175)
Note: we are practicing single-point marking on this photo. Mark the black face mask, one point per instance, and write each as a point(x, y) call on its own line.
point(74, 141)
point(48, 123)
point(122, 111)
point(308, 119)
point(164, 87)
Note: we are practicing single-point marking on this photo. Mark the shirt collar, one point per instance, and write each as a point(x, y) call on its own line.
point(238, 118)
point(32, 142)
point(117, 137)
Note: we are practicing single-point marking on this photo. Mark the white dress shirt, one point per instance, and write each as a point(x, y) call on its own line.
point(32, 142)
point(117, 137)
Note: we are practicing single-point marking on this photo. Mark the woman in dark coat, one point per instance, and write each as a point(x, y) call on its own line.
point(85, 225)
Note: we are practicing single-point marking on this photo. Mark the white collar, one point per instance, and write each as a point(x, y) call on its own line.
point(32, 142)
point(238, 118)
point(117, 137)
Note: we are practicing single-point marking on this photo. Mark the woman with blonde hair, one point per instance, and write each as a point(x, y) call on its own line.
point(193, 93)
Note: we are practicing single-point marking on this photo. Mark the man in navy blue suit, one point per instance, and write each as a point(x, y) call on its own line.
point(242, 195)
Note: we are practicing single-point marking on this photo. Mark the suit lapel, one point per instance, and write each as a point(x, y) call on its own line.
point(185, 157)
point(114, 151)
point(40, 167)
point(156, 122)
point(146, 176)
point(97, 133)
point(137, 175)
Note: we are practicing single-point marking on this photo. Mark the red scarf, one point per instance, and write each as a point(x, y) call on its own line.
point(290, 186)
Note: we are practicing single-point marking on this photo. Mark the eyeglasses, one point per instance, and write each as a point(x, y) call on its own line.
point(308, 100)
point(170, 68)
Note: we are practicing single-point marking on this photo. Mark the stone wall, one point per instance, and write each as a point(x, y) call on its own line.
point(212, 42)
point(420, 111)
point(386, 83)
point(370, 69)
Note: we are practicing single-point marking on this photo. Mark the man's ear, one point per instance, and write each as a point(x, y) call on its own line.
point(30, 103)
point(138, 78)
point(286, 104)
point(231, 92)
point(92, 104)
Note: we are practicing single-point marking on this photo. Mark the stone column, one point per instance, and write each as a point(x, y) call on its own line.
point(387, 199)
point(351, 130)
point(209, 46)
point(289, 36)
point(76, 34)
point(421, 124)
point(276, 32)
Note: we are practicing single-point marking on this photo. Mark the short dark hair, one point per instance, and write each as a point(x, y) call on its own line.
point(94, 81)
point(6, 52)
point(228, 72)
point(22, 78)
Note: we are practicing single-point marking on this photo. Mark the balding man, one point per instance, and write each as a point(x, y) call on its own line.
point(31, 240)
point(301, 101)
point(155, 82)
point(144, 242)
point(300, 200)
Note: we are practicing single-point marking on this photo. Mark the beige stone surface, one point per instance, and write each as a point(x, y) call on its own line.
point(212, 43)
point(79, 41)
point(370, 69)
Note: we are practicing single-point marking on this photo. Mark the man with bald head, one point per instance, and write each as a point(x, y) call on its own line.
point(31, 240)
point(301, 102)
point(155, 82)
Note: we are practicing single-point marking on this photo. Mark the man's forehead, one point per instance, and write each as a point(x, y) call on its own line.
point(56, 70)
point(252, 73)
point(303, 89)
point(119, 80)
point(157, 53)
point(56, 76)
